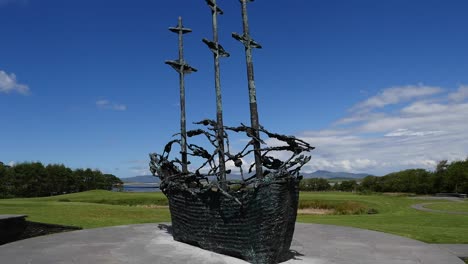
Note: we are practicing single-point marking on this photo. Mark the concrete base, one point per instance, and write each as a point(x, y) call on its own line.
point(143, 244)
point(11, 227)
point(15, 227)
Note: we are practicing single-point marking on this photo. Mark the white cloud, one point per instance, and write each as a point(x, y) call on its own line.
point(421, 163)
point(425, 127)
point(106, 104)
point(460, 95)
point(396, 95)
point(11, 163)
point(9, 83)
point(345, 165)
point(402, 132)
point(424, 108)
point(235, 170)
point(359, 117)
point(451, 115)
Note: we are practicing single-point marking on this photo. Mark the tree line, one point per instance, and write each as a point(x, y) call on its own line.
point(322, 185)
point(447, 178)
point(33, 179)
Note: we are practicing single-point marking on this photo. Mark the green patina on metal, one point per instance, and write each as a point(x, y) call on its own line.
point(182, 68)
point(253, 217)
point(218, 51)
point(249, 44)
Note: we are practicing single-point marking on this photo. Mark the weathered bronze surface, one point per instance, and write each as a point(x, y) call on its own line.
point(249, 44)
point(218, 51)
point(182, 68)
point(252, 217)
point(292, 145)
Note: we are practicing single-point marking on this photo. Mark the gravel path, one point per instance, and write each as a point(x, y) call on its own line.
point(421, 207)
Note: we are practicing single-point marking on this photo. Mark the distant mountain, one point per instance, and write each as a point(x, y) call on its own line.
point(141, 179)
point(335, 175)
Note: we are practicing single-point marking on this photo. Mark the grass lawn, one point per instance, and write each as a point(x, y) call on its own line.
point(88, 209)
point(395, 216)
point(451, 206)
point(112, 198)
point(101, 208)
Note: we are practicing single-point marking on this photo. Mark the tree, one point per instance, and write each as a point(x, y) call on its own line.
point(439, 178)
point(347, 186)
point(314, 184)
point(372, 183)
point(457, 176)
point(3, 181)
point(32, 179)
point(29, 179)
point(442, 166)
point(409, 181)
point(112, 181)
point(59, 177)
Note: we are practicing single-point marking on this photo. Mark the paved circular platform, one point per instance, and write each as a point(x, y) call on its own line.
point(145, 244)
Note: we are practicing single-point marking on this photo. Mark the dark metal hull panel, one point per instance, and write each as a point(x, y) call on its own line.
point(260, 231)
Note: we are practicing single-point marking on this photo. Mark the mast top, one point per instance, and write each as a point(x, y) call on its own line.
point(180, 28)
point(180, 65)
point(214, 7)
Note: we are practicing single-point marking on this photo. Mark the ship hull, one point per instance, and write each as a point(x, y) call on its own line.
point(259, 230)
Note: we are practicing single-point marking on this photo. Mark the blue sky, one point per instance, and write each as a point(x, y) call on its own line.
point(376, 86)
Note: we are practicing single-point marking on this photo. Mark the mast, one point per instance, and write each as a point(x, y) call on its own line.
point(182, 68)
point(218, 52)
point(249, 44)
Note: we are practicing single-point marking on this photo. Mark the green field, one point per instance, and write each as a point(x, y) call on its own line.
point(102, 208)
point(112, 198)
point(90, 209)
point(452, 206)
point(395, 216)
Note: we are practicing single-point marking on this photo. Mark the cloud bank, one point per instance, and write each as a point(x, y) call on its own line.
point(9, 84)
point(396, 95)
point(424, 125)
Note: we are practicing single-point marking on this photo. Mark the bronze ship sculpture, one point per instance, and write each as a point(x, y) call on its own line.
point(252, 218)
